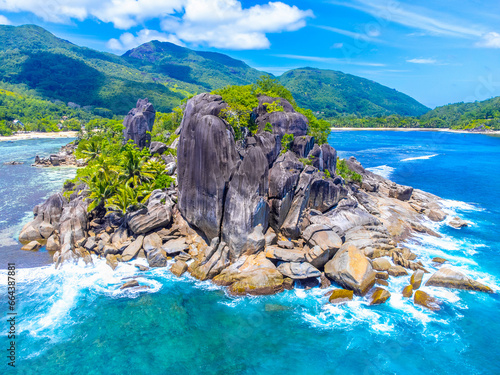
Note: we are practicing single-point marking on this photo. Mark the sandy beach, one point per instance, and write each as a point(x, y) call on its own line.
point(494, 132)
point(33, 135)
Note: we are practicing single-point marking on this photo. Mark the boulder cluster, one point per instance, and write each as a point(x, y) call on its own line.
point(65, 157)
point(256, 217)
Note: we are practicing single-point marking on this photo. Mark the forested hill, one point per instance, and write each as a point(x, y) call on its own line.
point(336, 93)
point(34, 59)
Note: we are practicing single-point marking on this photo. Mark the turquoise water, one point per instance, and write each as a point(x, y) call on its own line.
point(76, 321)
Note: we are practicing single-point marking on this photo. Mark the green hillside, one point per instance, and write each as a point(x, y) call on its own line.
point(336, 93)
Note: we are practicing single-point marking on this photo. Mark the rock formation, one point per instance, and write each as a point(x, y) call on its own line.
point(138, 122)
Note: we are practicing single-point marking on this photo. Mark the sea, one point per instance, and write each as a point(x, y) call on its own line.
point(77, 321)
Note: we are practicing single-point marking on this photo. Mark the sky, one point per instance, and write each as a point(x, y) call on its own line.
point(438, 51)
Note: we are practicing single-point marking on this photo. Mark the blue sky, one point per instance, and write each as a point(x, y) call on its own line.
point(438, 52)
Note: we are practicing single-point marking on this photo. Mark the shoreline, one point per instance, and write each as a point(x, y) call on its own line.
point(39, 135)
point(447, 130)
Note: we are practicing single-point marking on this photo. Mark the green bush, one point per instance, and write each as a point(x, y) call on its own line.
point(346, 173)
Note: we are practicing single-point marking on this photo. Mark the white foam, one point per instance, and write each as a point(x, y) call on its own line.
point(420, 157)
point(382, 170)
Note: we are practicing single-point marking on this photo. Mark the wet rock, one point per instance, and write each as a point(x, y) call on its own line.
point(139, 122)
point(130, 284)
point(341, 296)
point(436, 215)
point(288, 283)
point(157, 258)
point(381, 264)
point(53, 243)
point(439, 260)
point(449, 278)
point(31, 246)
point(253, 275)
point(458, 223)
point(397, 271)
point(416, 279)
point(324, 281)
point(408, 291)
point(141, 267)
point(351, 269)
point(133, 249)
point(382, 275)
point(423, 299)
point(206, 159)
point(178, 268)
point(381, 282)
point(379, 296)
point(157, 214)
point(112, 261)
point(298, 270)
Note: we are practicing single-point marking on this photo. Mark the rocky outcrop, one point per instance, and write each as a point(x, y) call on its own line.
point(246, 211)
point(64, 158)
point(324, 157)
point(157, 214)
point(253, 275)
point(206, 159)
point(157, 148)
point(303, 145)
point(449, 278)
point(138, 122)
point(351, 269)
point(287, 121)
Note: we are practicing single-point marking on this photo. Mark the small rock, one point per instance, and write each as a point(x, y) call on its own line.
point(382, 275)
point(458, 223)
point(130, 284)
point(408, 291)
point(288, 283)
point(423, 299)
point(379, 296)
point(381, 282)
point(324, 281)
point(397, 271)
point(178, 268)
point(381, 264)
point(31, 246)
point(133, 249)
point(151, 242)
point(436, 215)
point(141, 267)
point(416, 279)
point(112, 261)
point(341, 295)
point(439, 260)
point(175, 246)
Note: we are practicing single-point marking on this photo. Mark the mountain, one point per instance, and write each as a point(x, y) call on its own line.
point(465, 115)
point(56, 69)
point(209, 70)
point(336, 93)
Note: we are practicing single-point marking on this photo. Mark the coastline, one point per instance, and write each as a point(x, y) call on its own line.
point(448, 130)
point(37, 135)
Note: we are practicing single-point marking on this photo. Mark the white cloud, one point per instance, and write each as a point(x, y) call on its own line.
point(422, 61)
point(128, 41)
point(215, 23)
point(330, 60)
point(489, 40)
point(4, 20)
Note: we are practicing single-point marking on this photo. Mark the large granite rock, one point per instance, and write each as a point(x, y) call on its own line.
point(326, 193)
point(283, 122)
point(47, 218)
point(298, 270)
point(157, 214)
point(206, 159)
point(138, 122)
point(283, 178)
point(351, 269)
point(327, 240)
point(449, 278)
point(246, 211)
point(324, 158)
point(253, 274)
point(303, 145)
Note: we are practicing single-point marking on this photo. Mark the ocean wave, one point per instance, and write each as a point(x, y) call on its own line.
point(420, 157)
point(382, 170)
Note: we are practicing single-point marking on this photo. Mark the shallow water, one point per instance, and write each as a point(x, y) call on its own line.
point(77, 320)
